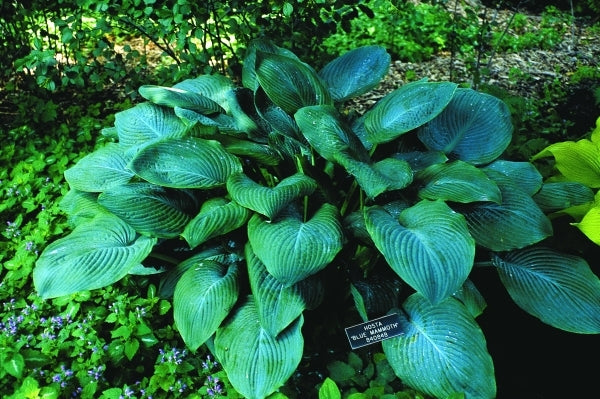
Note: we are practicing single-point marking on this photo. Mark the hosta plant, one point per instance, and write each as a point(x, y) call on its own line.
point(254, 201)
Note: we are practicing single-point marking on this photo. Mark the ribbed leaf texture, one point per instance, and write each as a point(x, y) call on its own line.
point(522, 174)
point(442, 352)
point(376, 178)
point(217, 216)
point(93, 255)
point(151, 210)
point(577, 161)
point(322, 126)
point(177, 97)
point(475, 127)
point(81, 206)
point(355, 72)
point(216, 87)
point(457, 181)
point(590, 224)
point(292, 249)
point(428, 246)
point(290, 83)
point(515, 223)
point(265, 200)
point(147, 122)
point(100, 170)
point(203, 297)
point(185, 163)
point(277, 305)
point(559, 289)
point(556, 196)
point(257, 363)
point(407, 108)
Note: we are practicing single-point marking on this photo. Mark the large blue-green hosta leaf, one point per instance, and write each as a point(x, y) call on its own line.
point(293, 249)
point(406, 108)
point(289, 83)
point(185, 163)
point(355, 72)
point(515, 223)
point(376, 178)
point(249, 78)
point(102, 169)
point(265, 200)
point(203, 297)
point(81, 206)
point(151, 210)
point(278, 305)
point(147, 122)
point(556, 196)
point(559, 289)
point(175, 97)
point(522, 174)
point(443, 350)
point(457, 182)
point(428, 245)
point(217, 217)
point(93, 255)
point(215, 87)
point(256, 362)
point(475, 127)
point(322, 126)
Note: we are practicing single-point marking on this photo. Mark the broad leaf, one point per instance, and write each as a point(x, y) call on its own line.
point(559, 289)
point(185, 163)
point(147, 122)
point(457, 182)
point(151, 210)
point(407, 108)
point(355, 72)
point(475, 127)
point(328, 135)
point(249, 78)
point(203, 297)
point(517, 222)
point(561, 195)
point(428, 245)
point(277, 305)
point(256, 362)
point(376, 296)
point(217, 217)
point(215, 87)
point(577, 161)
point(522, 174)
point(386, 175)
point(93, 255)
point(265, 200)
point(470, 296)
point(590, 224)
point(442, 352)
point(289, 83)
point(102, 169)
point(176, 97)
point(292, 249)
point(81, 206)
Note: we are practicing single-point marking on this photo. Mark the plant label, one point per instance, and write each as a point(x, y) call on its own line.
point(375, 330)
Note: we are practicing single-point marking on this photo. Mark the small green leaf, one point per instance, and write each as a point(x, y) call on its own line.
point(329, 390)
point(14, 365)
point(131, 348)
point(340, 371)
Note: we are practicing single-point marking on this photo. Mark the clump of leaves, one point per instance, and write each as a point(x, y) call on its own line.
point(247, 198)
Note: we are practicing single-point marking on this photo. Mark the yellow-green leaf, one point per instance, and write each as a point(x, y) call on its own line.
point(590, 224)
point(578, 161)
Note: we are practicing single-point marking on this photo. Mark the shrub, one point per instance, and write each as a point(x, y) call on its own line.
point(254, 202)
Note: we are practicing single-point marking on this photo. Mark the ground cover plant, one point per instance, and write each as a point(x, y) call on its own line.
point(252, 204)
